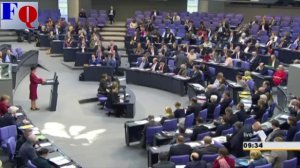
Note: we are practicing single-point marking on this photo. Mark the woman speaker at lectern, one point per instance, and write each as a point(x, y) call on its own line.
point(34, 81)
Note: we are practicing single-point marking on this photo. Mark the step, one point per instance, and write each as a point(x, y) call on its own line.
point(8, 38)
point(116, 24)
point(107, 33)
point(8, 33)
point(114, 29)
point(113, 38)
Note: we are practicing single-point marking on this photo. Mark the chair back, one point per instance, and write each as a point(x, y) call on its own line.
point(30, 164)
point(7, 132)
point(150, 132)
point(180, 159)
point(170, 125)
point(264, 166)
point(251, 85)
point(209, 158)
point(228, 131)
point(212, 71)
point(270, 72)
point(265, 117)
point(189, 120)
point(290, 163)
point(249, 121)
point(231, 104)
point(271, 109)
point(245, 65)
point(218, 144)
point(297, 136)
point(217, 112)
point(201, 136)
point(203, 114)
point(11, 147)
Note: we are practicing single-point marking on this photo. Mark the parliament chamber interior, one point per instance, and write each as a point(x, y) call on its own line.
point(150, 84)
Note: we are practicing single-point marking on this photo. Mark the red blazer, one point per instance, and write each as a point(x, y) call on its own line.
point(3, 108)
point(34, 81)
point(278, 77)
point(229, 161)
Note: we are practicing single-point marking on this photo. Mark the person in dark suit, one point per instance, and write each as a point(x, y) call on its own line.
point(154, 13)
point(151, 123)
point(155, 65)
point(27, 151)
point(168, 115)
point(179, 111)
point(211, 105)
point(273, 62)
point(208, 148)
point(264, 26)
point(111, 14)
point(163, 161)
point(194, 107)
point(163, 67)
point(196, 162)
point(213, 90)
point(198, 129)
point(144, 64)
point(9, 58)
point(94, 61)
point(225, 102)
point(180, 148)
point(262, 69)
point(9, 118)
point(277, 132)
point(180, 59)
point(293, 129)
point(181, 132)
point(236, 141)
point(223, 126)
point(237, 54)
point(241, 114)
point(259, 110)
point(197, 75)
point(41, 161)
point(229, 114)
point(82, 13)
point(254, 61)
point(113, 100)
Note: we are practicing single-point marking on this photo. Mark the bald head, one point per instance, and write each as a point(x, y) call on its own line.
point(180, 139)
point(194, 156)
point(32, 139)
point(256, 126)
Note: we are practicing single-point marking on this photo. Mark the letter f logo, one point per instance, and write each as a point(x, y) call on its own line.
point(7, 9)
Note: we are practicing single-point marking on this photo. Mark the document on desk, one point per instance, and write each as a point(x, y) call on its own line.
point(209, 126)
point(142, 122)
point(69, 166)
point(45, 144)
point(193, 144)
point(261, 135)
point(157, 119)
point(19, 114)
point(197, 86)
point(181, 77)
point(284, 116)
point(221, 139)
point(180, 166)
point(135, 68)
point(59, 160)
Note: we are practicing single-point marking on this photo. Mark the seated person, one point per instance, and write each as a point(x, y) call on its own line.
point(228, 61)
point(208, 148)
point(267, 86)
point(155, 65)
point(104, 85)
point(133, 24)
point(254, 61)
point(151, 123)
point(247, 76)
point(181, 132)
point(210, 105)
point(198, 129)
point(279, 76)
point(9, 118)
point(224, 160)
point(196, 75)
point(293, 129)
point(242, 82)
point(196, 162)
point(179, 111)
point(273, 62)
point(4, 104)
point(194, 107)
point(144, 64)
point(219, 76)
point(277, 132)
point(139, 49)
point(111, 60)
point(163, 67)
point(163, 161)
point(94, 60)
point(277, 157)
point(232, 117)
point(180, 148)
point(168, 115)
point(223, 126)
point(9, 57)
point(256, 159)
point(183, 70)
point(68, 40)
point(262, 69)
point(241, 114)
point(113, 99)
point(27, 151)
point(259, 110)
point(225, 102)
point(41, 161)
point(236, 140)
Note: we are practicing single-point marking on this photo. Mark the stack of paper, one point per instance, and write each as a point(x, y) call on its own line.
point(59, 160)
point(69, 166)
point(142, 122)
point(19, 114)
point(193, 144)
point(220, 139)
point(45, 144)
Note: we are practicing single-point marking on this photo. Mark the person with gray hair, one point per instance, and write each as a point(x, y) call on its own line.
point(163, 161)
point(211, 105)
point(27, 151)
point(9, 118)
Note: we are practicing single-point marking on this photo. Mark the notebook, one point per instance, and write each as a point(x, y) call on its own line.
point(59, 160)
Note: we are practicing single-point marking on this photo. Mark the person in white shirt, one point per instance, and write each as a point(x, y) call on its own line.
point(155, 65)
point(247, 49)
point(228, 61)
point(175, 17)
point(133, 24)
point(111, 14)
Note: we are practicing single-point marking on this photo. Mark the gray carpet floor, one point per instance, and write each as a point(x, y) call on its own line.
point(84, 132)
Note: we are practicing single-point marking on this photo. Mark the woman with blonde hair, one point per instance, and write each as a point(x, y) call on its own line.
point(168, 114)
point(256, 159)
point(247, 76)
